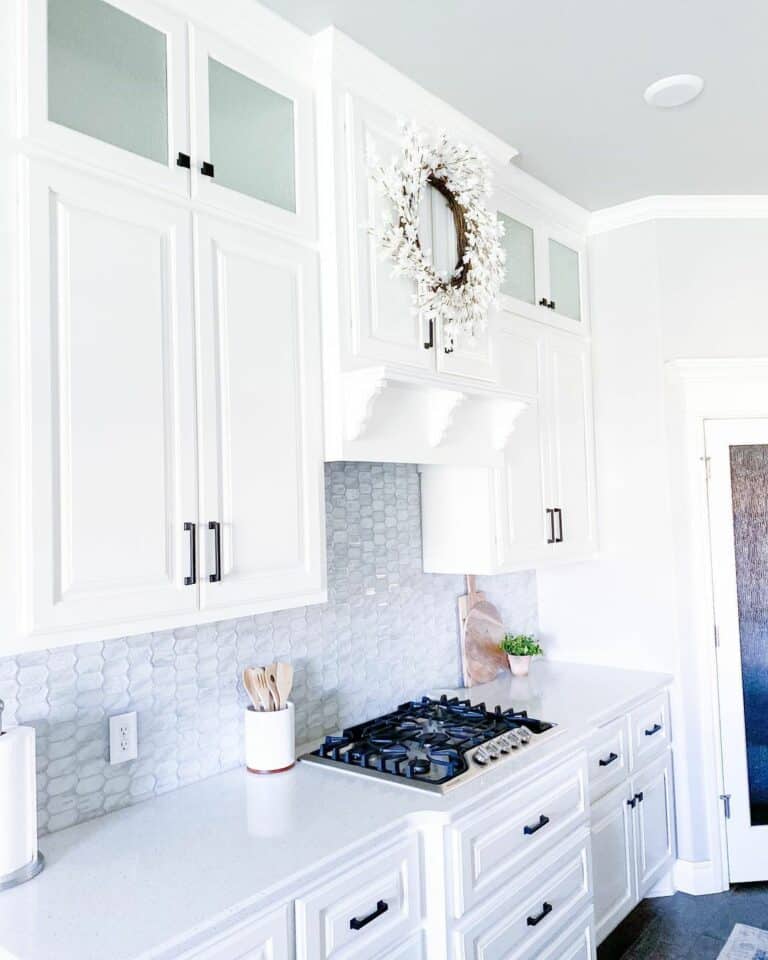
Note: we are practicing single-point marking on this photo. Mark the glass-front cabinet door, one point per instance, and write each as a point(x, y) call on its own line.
point(106, 84)
point(544, 268)
point(252, 138)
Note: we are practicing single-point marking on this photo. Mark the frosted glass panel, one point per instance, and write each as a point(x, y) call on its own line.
point(251, 130)
point(749, 485)
point(519, 277)
point(107, 76)
point(564, 286)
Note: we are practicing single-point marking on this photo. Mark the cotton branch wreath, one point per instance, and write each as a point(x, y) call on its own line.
point(461, 174)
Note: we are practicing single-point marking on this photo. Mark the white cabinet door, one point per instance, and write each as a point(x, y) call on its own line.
point(571, 445)
point(106, 82)
point(519, 492)
point(384, 325)
point(655, 842)
point(108, 415)
point(564, 275)
point(253, 144)
point(259, 414)
point(613, 860)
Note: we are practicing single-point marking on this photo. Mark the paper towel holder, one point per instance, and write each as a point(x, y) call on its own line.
point(29, 870)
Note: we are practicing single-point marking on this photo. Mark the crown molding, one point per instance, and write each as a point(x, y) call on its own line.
point(681, 207)
point(709, 369)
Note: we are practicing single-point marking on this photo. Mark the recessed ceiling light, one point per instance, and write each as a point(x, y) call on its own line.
point(674, 91)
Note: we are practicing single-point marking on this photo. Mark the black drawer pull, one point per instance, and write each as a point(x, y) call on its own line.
point(551, 517)
point(545, 909)
point(183, 160)
point(215, 577)
point(543, 821)
point(381, 907)
point(559, 537)
point(207, 169)
point(654, 729)
point(428, 344)
point(609, 759)
point(191, 528)
point(632, 802)
point(639, 797)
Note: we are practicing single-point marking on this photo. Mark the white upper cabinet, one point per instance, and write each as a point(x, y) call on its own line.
point(252, 137)
point(108, 422)
point(545, 266)
point(384, 327)
point(261, 501)
point(538, 507)
point(106, 83)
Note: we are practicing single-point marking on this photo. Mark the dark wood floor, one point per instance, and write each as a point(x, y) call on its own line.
point(684, 927)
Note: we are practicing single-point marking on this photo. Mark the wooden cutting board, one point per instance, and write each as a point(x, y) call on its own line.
point(482, 630)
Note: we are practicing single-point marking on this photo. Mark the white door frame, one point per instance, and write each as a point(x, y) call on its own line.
point(697, 391)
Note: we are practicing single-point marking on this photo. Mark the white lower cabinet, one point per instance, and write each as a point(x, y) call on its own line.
point(633, 843)
point(364, 911)
point(269, 937)
point(520, 920)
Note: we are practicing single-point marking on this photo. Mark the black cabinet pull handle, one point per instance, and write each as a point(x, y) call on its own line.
point(545, 909)
point(551, 304)
point(654, 729)
point(381, 907)
point(450, 348)
point(428, 344)
point(632, 803)
point(183, 160)
point(207, 169)
point(543, 302)
point(551, 517)
point(559, 513)
point(639, 797)
point(543, 821)
point(609, 759)
point(214, 525)
point(192, 530)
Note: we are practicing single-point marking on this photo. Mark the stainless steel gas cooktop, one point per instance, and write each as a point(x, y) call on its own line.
point(432, 744)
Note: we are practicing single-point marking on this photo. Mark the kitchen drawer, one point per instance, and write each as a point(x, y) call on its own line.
point(269, 937)
point(649, 730)
point(486, 849)
point(608, 758)
point(522, 922)
point(364, 910)
point(577, 943)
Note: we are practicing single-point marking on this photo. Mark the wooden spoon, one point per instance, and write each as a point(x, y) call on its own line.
point(251, 688)
point(271, 674)
point(284, 680)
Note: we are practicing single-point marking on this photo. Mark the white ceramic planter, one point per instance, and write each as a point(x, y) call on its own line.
point(519, 665)
point(270, 739)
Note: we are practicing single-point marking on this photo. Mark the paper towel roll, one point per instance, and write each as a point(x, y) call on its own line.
point(18, 799)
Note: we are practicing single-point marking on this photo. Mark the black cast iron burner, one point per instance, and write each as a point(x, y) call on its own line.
point(424, 741)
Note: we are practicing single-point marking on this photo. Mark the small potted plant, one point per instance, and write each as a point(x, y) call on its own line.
point(519, 649)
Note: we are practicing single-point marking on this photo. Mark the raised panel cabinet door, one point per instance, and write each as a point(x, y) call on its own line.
point(571, 445)
point(654, 821)
point(613, 860)
point(523, 525)
point(384, 326)
point(106, 83)
point(253, 138)
point(108, 438)
point(260, 428)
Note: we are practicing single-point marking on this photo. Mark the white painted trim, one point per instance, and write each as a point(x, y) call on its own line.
point(699, 390)
point(681, 207)
point(697, 877)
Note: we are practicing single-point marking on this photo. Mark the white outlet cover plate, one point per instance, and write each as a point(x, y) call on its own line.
point(123, 738)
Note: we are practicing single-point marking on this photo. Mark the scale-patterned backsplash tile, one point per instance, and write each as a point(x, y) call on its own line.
point(387, 633)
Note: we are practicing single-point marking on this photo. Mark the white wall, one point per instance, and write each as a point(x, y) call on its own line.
point(663, 290)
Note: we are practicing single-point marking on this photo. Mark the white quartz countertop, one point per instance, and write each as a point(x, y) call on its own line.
point(134, 883)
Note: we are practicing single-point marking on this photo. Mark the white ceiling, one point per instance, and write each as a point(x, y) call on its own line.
point(563, 82)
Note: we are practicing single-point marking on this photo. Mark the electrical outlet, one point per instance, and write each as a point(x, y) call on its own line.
point(123, 738)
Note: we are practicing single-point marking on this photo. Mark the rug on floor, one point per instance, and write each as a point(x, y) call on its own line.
point(745, 943)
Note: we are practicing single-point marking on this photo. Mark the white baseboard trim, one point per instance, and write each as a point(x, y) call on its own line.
point(664, 886)
point(698, 877)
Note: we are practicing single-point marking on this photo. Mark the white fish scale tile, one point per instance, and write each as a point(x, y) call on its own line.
point(388, 632)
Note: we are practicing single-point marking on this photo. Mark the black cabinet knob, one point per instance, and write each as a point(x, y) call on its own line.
point(183, 160)
point(207, 169)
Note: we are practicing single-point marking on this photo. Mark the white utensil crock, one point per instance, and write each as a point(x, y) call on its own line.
point(270, 739)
